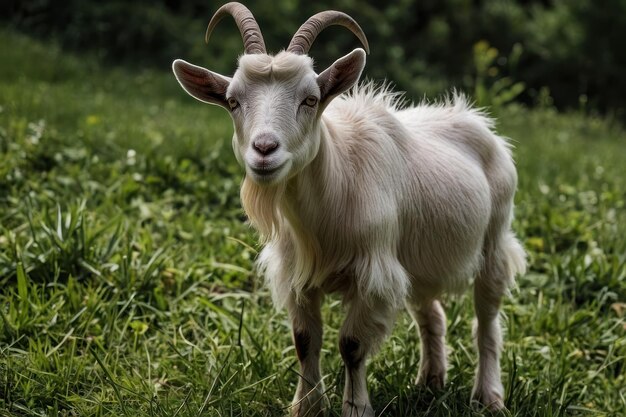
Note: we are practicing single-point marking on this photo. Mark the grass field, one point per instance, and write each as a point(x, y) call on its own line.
point(126, 266)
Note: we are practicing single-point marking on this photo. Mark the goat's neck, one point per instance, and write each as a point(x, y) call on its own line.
point(324, 180)
point(322, 175)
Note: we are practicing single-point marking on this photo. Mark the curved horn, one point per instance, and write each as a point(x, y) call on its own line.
point(305, 36)
point(250, 32)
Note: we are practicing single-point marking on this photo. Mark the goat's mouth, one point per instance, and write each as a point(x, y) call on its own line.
point(266, 173)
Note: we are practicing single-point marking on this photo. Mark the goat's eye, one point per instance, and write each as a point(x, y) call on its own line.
point(232, 103)
point(310, 101)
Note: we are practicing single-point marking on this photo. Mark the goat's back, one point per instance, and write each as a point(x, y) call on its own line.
point(441, 171)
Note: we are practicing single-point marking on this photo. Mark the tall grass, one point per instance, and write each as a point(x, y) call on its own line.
point(126, 277)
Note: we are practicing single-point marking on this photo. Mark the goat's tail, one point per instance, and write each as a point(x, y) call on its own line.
point(504, 259)
point(515, 256)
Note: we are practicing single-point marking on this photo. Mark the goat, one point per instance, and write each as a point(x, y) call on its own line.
point(357, 194)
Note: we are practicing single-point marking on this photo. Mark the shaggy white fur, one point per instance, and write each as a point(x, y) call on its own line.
point(385, 203)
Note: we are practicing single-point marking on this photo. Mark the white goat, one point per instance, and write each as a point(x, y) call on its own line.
point(355, 194)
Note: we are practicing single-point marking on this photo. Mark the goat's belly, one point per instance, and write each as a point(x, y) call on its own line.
point(421, 265)
point(436, 270)
point(445, 256)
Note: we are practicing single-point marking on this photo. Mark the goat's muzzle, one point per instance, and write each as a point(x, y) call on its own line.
point(265, 144)
point(266, 159)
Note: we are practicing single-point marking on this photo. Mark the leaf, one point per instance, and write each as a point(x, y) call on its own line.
point(535, 243)
point(139, 327)
point(22, 284)
point(59, 223)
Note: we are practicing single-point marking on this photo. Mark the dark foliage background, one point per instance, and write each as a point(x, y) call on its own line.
point(127, 280)
point(569, 53)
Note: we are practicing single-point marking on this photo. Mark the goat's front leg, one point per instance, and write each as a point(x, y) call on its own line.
point(306, 323)
point(365, 327)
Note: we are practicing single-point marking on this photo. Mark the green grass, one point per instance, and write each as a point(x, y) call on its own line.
point(126, 267)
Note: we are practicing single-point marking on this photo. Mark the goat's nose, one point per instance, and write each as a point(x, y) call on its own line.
point(265, 144)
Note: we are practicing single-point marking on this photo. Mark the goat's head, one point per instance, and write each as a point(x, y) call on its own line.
point(275, 101)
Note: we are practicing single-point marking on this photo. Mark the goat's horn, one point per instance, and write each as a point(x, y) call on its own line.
point(305, 36)
point(250, 32)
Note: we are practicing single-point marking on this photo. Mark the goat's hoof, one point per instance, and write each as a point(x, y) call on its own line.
point(302, 411)
point(307, 412)
point(308, 408)
point(309, 402)
point(492, 400)
point(435, 381)
point(351, 409)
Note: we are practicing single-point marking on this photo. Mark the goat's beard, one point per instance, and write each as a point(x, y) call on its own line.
point(279, 226)
point(261, 204)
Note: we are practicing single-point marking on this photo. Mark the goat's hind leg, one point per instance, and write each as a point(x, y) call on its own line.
point(306, 322)
point(502, 261)
point(431, 320)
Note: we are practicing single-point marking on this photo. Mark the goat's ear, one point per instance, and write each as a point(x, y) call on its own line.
point(202, 84)
point(341, 75)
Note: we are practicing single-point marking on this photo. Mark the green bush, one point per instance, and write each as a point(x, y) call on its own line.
point(572, 48)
